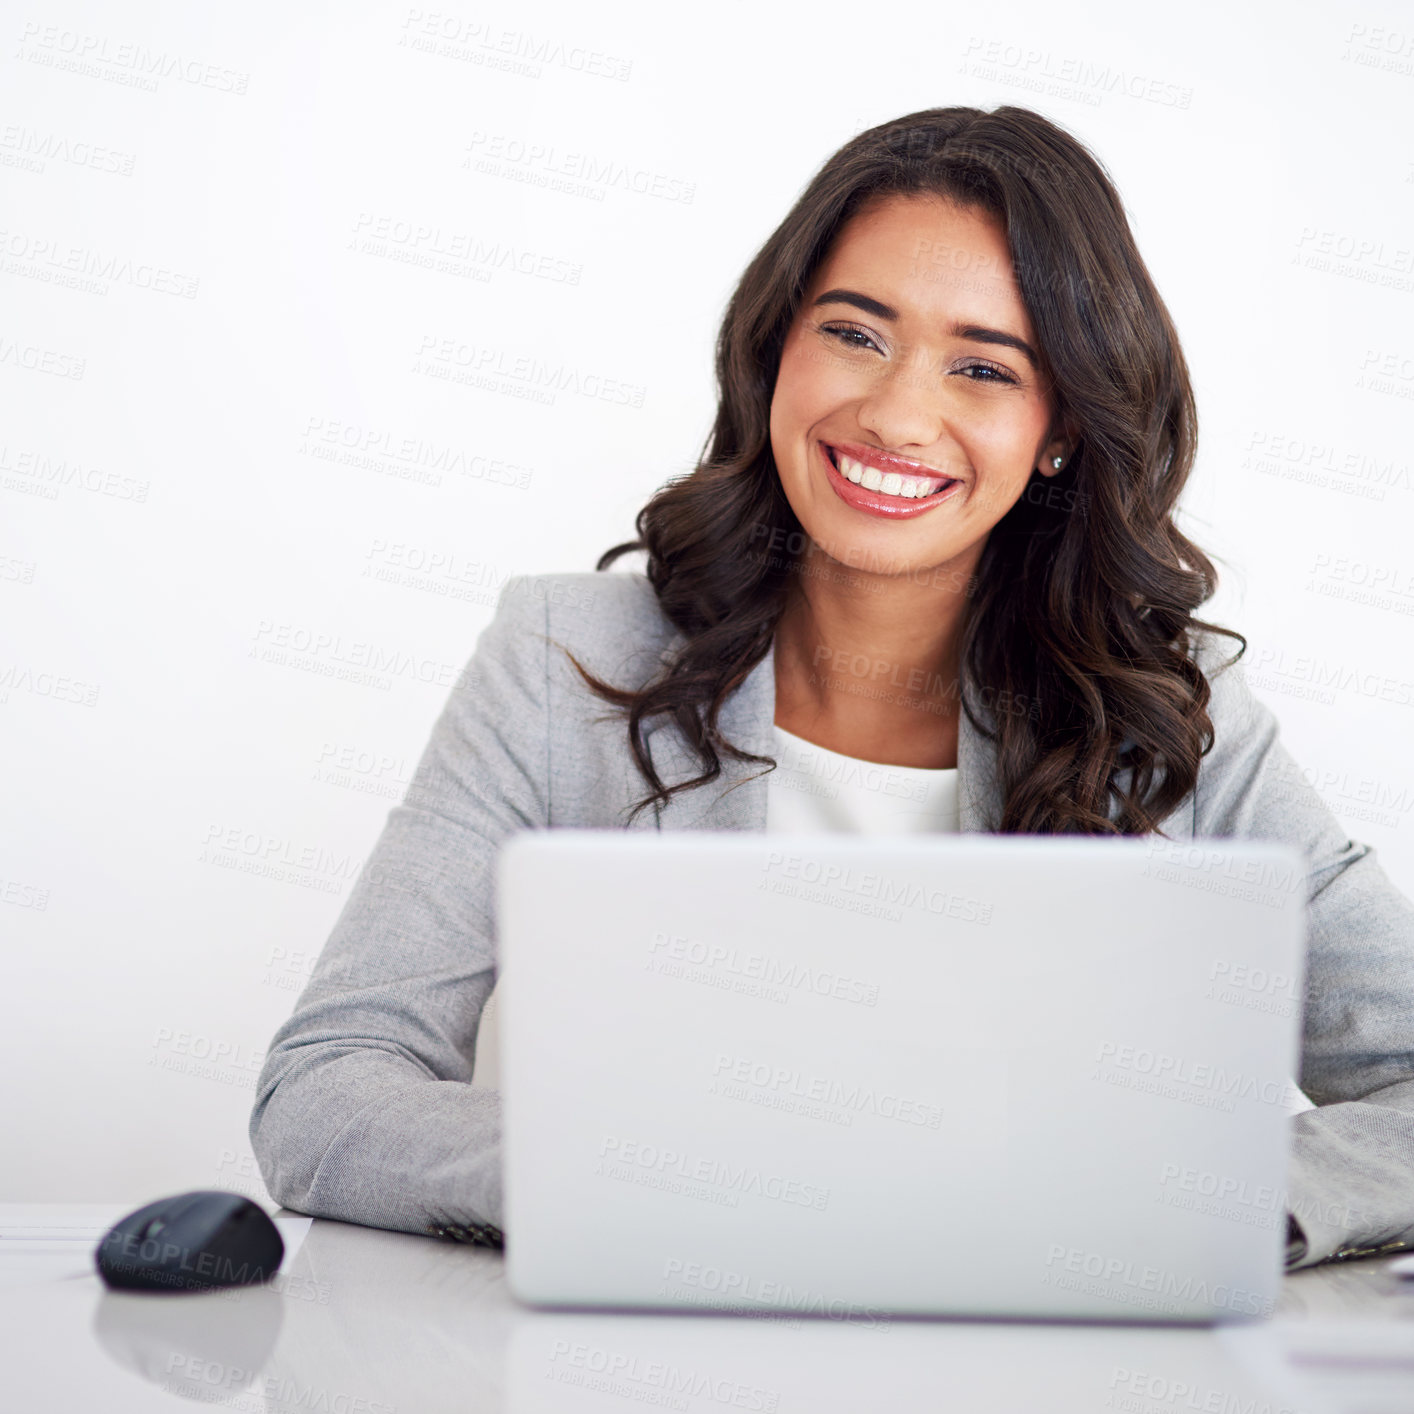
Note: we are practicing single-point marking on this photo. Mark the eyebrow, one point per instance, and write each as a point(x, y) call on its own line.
point(961, 330)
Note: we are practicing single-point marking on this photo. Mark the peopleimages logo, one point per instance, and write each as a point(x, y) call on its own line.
point(676, 955)
point(782, 1083)
point(657, 1382)
point(741, 1179)
point(1257, 1205)
point(875, 887)
point(1142, 1390)
point(748, 1291)
point(1206, 1083)
point(1118, 1279)
point(1219, 859)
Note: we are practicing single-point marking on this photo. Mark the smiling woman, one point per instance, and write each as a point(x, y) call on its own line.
point(948, 383)
point(929, 550)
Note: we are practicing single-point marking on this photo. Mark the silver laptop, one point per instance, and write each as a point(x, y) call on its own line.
point(859, 1076)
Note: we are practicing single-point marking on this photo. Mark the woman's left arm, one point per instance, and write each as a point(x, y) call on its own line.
point(1351, 1183)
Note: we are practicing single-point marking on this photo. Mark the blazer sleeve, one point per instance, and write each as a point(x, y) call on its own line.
point(1351, 1181)
point(364, 1109)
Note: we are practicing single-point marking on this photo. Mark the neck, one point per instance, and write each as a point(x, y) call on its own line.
point(855, 647)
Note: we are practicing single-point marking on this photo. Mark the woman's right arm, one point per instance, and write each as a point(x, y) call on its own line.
point(364, 1109)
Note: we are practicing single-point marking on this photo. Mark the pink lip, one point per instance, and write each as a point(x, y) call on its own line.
point(873, 503)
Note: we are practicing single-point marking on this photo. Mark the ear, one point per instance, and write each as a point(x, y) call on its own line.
point(1061, 445)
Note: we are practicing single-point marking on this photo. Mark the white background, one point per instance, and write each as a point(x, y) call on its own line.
point(213, 448)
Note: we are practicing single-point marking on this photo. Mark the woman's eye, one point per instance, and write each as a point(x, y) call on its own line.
point(847, 334)
point(994, 374)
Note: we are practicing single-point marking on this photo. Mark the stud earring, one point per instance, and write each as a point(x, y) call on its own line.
point(1057, 462)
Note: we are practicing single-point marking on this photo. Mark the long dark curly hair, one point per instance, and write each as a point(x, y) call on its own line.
point(1083, 596)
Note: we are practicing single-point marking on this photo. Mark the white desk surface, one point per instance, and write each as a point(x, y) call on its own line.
point(361, 1321)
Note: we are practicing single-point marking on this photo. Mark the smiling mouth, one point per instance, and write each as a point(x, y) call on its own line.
point(906, 488)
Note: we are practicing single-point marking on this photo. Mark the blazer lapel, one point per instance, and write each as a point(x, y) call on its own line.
point(736, 800)
point(979, 801)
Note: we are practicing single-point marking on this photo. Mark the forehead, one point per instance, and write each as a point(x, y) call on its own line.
point(930, 258)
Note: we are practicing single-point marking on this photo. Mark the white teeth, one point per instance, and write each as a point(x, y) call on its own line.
point(888, 483)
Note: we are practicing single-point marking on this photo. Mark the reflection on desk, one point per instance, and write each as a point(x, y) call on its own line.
point(371, 1322)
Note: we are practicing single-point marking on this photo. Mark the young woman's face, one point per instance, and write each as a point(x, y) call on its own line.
point(911, 344)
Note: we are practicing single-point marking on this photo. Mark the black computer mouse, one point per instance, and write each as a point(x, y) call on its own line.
point(191, 1242)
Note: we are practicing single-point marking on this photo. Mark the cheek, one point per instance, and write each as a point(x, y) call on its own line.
point(789, 386)
point(811, 382)
point(788, 411)
point(1003, 440)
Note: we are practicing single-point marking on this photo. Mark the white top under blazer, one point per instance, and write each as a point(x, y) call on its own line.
point(814, 789)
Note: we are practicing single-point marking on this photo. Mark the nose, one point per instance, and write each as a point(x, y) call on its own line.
point(904, 405)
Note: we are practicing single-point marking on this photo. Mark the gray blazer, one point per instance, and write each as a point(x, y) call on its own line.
point(364, 1110)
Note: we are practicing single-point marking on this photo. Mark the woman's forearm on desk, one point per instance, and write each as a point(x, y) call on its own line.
point(1351, 1183)
point(364, 1109)
point(1352, 1173)
point(410, 1154)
